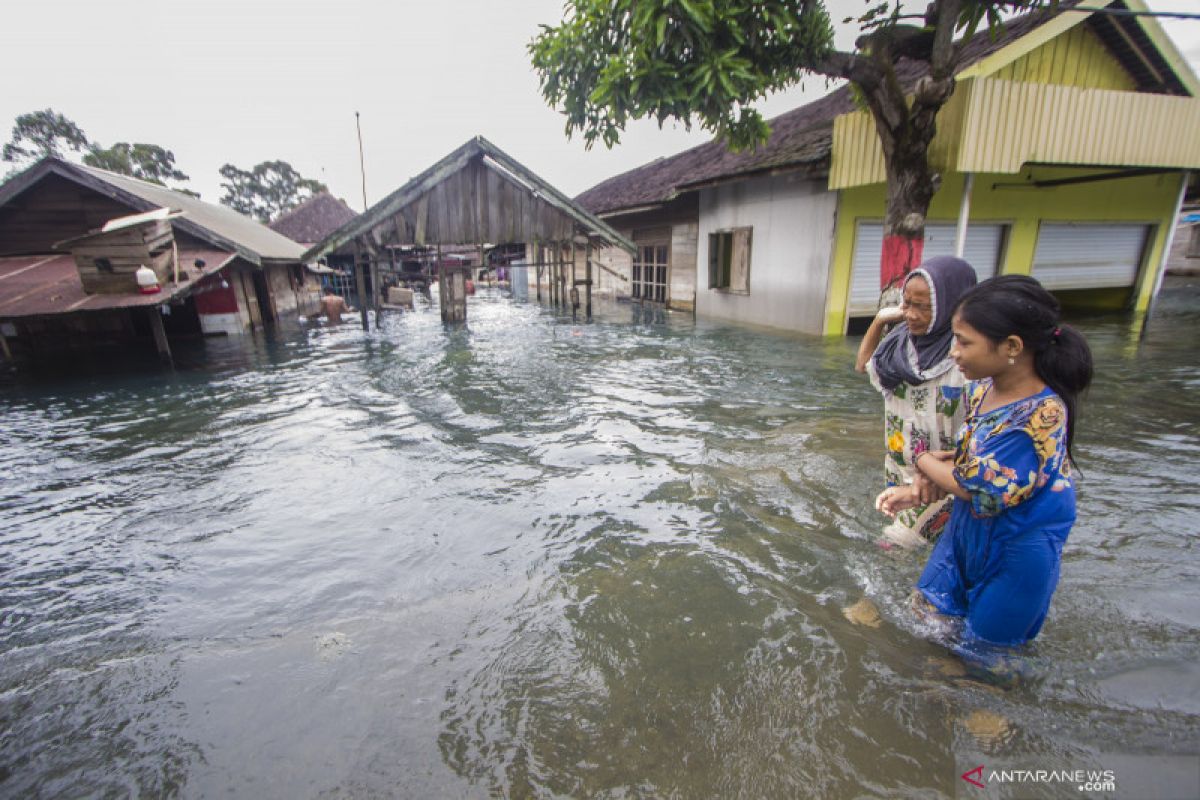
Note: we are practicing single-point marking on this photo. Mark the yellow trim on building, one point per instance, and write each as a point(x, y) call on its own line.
point(1012, 200)
point(1076, 58)
point(1024, 46)
point(1009, 124)
point(991, 65)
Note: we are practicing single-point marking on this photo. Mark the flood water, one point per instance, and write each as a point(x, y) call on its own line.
point(537, 558)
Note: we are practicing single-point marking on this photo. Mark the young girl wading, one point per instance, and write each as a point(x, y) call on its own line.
point(1014, 502)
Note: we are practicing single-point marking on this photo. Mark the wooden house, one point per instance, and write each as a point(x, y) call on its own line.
point(64, 280)
point(1063, 153)
point(479, 196)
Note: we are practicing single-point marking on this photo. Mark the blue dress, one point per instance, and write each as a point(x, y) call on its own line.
point(997, 563)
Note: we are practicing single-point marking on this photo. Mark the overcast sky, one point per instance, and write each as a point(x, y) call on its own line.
point(245, 81)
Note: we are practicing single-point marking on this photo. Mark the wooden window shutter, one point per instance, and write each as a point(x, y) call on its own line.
point(739, 277)
point(714, 260)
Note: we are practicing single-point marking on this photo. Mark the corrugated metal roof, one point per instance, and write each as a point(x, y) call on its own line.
point(45, 285)
point(221, 220)
point(219, 226)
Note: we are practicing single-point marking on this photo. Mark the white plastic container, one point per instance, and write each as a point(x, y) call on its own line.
point(147, 281)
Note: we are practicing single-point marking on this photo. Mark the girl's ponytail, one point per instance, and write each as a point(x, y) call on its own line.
point(1018, 305)
point(1065, 364)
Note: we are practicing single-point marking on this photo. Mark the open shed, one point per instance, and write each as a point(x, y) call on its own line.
point(477, 195)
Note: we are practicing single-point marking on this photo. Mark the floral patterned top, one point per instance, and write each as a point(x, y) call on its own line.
point(994, 462)
point(916, 419)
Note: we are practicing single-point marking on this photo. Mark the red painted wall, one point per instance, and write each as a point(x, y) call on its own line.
point(212, 299)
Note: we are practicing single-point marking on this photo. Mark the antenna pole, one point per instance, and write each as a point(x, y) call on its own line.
point(361, 167)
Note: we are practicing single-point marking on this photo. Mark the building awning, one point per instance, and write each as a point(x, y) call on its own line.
point(48, 284)
point(321, 269)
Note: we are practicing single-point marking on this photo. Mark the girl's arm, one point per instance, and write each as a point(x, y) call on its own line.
point(939, 467)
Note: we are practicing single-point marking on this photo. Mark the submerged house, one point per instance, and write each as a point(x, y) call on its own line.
point(71, 237)
point(476, 198)
point(1064, 151)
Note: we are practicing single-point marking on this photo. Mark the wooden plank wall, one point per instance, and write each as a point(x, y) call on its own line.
point(472, 206)
point(124, 252)
point(53, 210)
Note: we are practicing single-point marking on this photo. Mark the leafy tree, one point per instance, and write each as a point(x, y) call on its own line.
point(267, 190)
point(42, 133)
point(146, 161)
point(610, 61)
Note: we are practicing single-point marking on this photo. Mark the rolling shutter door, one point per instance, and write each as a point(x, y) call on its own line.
point(1088, 256)
point(982, 252)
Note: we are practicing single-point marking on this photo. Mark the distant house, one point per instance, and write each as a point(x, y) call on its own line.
point(1067, 140)
point(221, 272)
point(314, 219)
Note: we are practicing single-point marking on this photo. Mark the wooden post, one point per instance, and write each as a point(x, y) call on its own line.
point(560, 268)
point(4, 347)
point(555, 294)
point(375, 287)
point(537, 260)
point(361, 283)
point(574, 288)
point(160, 335)
point(588, 273)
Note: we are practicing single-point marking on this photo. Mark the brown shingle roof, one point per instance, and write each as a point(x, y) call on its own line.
point(799, 138)
point(314, 219)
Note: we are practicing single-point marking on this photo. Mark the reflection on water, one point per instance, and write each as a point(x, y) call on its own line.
point(534, 557)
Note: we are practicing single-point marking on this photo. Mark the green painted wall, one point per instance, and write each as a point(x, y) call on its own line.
point(1148, 199)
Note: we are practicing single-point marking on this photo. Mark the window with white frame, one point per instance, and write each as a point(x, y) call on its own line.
point(729, 260)
point(650, 272)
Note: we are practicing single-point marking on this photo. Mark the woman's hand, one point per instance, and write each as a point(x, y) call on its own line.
point(866, 348)
point(894, 499)
point(889, 315)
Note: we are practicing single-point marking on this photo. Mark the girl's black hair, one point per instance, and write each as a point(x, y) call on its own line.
point(1017, 305)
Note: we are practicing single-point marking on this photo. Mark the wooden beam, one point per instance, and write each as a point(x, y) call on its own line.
point(160, 334)
point(588, 261)
point(361, 283)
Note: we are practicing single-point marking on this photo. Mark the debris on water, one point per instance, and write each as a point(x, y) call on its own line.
point(989, 728)
point(332, 645)
point(864, 612)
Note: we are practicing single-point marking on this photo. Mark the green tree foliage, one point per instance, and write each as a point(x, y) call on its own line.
point(266, 190)
point(611, 61)
point(42, 133)
point(146, 161)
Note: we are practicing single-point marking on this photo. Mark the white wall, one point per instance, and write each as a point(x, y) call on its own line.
point(791, 251)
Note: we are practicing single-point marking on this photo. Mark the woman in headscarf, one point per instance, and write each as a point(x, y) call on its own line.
point(922, 389)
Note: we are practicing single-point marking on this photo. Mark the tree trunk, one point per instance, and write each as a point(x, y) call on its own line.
point(906, 129)
point(905, 133)
point(910, 188)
